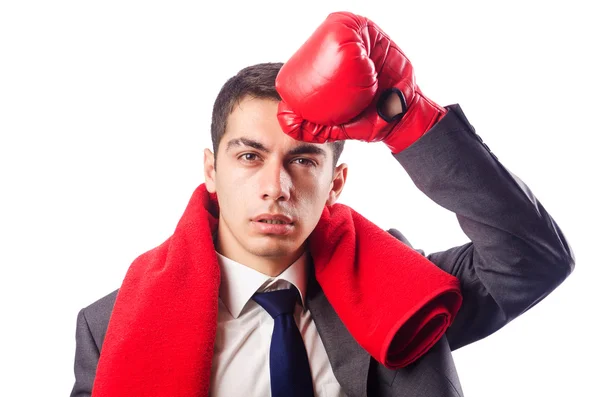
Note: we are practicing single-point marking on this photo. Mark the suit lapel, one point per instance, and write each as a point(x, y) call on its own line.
point(350, 362)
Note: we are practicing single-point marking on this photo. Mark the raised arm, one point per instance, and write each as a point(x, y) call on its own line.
point(517, 254)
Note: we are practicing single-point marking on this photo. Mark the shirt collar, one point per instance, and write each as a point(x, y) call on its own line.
point(240, 282)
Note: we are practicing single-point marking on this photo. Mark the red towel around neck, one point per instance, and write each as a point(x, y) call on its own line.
point(160, 337)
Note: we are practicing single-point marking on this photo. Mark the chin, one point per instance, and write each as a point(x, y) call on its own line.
point(274, 249)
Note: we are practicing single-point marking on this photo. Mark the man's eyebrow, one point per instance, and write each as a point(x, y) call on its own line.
point(247, 142)
point(307, 149)
point(300, 149)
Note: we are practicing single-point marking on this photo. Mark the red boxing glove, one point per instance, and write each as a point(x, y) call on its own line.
point(335, 85)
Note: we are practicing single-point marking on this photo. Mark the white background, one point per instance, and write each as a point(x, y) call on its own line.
point(105, 110)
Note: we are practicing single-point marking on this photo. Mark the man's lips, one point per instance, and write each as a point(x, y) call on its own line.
point(273, 219)
point(278, 224)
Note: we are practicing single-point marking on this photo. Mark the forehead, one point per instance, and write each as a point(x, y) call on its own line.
point(256, 119)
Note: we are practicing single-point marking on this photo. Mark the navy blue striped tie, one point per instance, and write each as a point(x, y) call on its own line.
point(290, 371)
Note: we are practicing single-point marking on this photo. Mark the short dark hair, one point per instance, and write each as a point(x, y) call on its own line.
point(256, 81)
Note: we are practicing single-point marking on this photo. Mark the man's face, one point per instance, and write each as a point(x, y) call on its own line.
point(262, 173)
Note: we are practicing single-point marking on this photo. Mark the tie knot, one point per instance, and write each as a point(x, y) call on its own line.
point(277, 302)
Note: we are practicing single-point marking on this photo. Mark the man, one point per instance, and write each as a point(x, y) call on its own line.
point(276, 204)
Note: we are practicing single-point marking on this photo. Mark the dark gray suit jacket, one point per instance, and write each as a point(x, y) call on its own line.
point(517, 256)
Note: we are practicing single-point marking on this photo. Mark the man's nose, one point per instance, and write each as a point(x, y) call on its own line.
point(276, 182)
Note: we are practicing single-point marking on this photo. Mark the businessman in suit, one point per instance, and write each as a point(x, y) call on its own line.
point(517, 254)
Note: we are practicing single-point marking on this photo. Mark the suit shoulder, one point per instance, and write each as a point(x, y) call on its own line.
point(98, 314)
point(102, 306)
point(396, 233)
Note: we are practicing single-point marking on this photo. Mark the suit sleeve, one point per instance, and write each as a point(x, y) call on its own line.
point(517, 254)
point(86, 358)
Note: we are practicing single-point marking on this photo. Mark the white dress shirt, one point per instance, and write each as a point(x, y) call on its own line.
point(241, 356)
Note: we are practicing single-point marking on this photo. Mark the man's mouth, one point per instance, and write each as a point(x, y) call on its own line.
point(273, 219)
point(273, 224)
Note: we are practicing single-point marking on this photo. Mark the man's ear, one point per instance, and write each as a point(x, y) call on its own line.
point(209, 171)
point(337, 184)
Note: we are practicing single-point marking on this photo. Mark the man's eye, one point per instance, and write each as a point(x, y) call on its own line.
point(306, 162)
point(248, 156)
